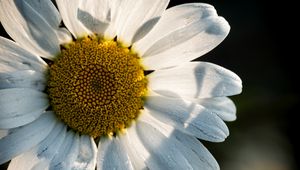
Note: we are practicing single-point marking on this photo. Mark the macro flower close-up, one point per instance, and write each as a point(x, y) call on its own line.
point(112, 84)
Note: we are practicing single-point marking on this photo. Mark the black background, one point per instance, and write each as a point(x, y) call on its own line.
point(261, 49)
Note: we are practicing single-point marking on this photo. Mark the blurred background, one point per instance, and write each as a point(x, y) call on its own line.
point(259, 49)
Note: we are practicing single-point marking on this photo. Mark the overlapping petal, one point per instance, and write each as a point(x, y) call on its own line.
point(24, 138)
point(67, 152)
point(34, 25)
point(19, 106)
point(195, 80)
point(188, 117)
point(69, 12)
point(112, 155)
point(133, 15)
point(95, 15)
point(183, 33)
point(197, 155)
point(222, 106)
point(14, 58)
point(86, 158)
point(23, 79)
point(40, 156)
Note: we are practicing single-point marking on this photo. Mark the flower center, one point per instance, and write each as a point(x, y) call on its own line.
point(96, 86)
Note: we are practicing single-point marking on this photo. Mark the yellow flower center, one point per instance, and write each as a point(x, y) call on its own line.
point(96, 86)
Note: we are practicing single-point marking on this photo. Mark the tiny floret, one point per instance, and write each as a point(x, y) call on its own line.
point(97, 86)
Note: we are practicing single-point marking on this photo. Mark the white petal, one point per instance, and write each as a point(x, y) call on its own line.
point(15, 58)
point(19, 106)
point(195, 80)
point(183, 33)
point(222, 106)
point(196, 154)
point(134, 14)
point(3, 133)
point(23, 79)
point(111, 155)
point(115, 10)
point(48, 11)
point(28, 26)
point(52, 150)
point(206, 160)
point(86, 159)
point(67, 153)
point(94, 15)
point(64, 36)
point(72, 155)
point(165, 153)
point(134, 149)
point(188, 117)
point(22, 139)
point(40, 155)
point(69, 10)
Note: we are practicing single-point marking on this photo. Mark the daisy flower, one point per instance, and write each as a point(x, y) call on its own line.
point(109, 84)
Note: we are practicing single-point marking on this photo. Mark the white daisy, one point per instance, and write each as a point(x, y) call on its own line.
point(120, 94)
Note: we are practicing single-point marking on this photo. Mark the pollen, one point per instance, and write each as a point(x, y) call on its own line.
point(96, 86)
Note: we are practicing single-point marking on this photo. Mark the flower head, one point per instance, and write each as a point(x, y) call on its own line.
point(113, 86)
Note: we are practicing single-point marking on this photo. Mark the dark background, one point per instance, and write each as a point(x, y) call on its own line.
point(261, 49)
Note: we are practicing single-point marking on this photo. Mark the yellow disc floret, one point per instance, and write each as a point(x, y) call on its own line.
point(96, 86)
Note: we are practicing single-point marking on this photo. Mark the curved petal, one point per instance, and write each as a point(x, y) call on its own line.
point(111, 155)
point(21, 106)
point(67, 153)
point(69, 10)
point(222, 106)
point(3, 133)
point(22, 139)
point(47, 11)
point(64, 36)
point(165, 152)
point(40, 156)
point(115, 10)
point(205, 158)
point(94, 15)
point(15, 58)
point(191, 148)
point(23, 79)
point(134, 149)
point(86, 159)
point(183, 33)
point(134, 14)
point(188, 117)
point(29, 23)
point(195, 80)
